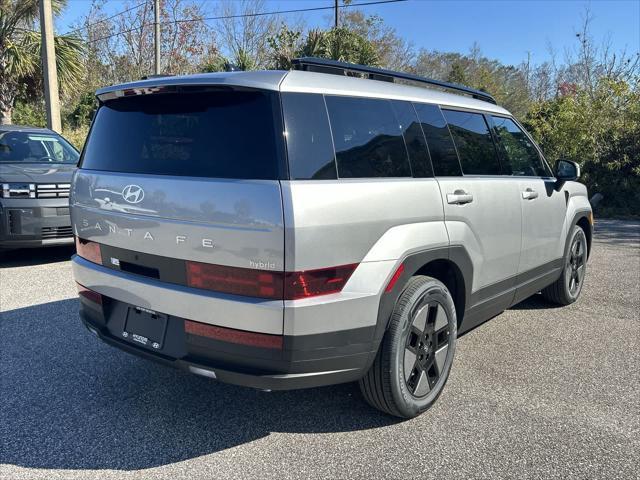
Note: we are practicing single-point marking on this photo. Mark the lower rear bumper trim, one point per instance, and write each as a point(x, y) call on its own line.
point(276, 381)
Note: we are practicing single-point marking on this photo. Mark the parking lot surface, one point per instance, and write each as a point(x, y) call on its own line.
point(537, 392)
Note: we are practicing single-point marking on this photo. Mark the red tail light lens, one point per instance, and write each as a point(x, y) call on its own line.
point(312, 283)
point(89, 250)
point(268, 284)
point(90, 295)
point(238, 281)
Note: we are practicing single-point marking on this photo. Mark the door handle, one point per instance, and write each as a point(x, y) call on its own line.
point(459, 197)
point(529, 194)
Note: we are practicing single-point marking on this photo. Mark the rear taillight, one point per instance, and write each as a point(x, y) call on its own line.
point(89, 250)
point(312, 283)
point(238, 281)
point(90, 295)
point(268, 284)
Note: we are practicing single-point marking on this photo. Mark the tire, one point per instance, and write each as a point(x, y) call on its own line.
point(567, 288)
point(415, 356)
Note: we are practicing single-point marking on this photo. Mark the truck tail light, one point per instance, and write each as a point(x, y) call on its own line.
point(89, 250)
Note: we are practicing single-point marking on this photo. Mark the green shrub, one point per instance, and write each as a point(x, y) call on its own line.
point(76, 136)
point(29, 114)
point(600, 130)
point(82, 112)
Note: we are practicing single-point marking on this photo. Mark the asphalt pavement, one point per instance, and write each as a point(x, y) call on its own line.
point(537, 392)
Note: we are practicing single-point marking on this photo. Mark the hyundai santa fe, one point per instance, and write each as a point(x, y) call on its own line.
point(333, 223)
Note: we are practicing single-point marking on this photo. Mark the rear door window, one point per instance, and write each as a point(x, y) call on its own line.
point(441, 148)
point(230, 134)
point(367, 138)
point(520, 153)
point(413, 139)
point(474, 143)
point(309, 144)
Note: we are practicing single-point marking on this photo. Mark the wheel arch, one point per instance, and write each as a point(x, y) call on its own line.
point(584, 223)
point(581, 219)
point(451, 265)
point(449, 273)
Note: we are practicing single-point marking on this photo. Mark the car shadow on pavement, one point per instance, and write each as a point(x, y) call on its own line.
point(68, 401)
point(535, 302)
point(25, 257)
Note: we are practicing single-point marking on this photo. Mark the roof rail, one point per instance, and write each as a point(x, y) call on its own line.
point(323, 65)
point(156, 75)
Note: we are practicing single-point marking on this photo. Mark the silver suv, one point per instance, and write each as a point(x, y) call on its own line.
point(284, 230)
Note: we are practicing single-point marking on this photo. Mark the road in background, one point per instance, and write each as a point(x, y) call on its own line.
point(538, 392)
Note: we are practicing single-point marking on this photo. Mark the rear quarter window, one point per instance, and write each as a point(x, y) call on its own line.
point(229, 134)
point(309, 144)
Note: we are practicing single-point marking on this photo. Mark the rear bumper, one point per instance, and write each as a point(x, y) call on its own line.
point(254, 367)
point(299, 361)
point(35, 223)
point(243, 376)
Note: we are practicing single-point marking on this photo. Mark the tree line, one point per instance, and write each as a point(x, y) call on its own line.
point(582, 104)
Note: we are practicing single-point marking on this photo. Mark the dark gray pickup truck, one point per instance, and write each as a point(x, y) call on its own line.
point(36, 166)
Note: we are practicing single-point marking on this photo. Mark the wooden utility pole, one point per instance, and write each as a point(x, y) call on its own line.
point(336, 21)
point(50, 73)
point(156, 8)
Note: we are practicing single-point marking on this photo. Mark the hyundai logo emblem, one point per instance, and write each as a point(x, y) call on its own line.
point(133, 193)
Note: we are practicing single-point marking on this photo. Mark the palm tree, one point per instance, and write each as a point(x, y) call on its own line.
point(342, 44)
point(20, 52)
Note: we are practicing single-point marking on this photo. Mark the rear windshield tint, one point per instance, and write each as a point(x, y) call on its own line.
point(227, 134)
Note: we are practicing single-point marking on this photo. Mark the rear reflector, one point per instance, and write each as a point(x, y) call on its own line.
point(395, 278)
point(90, 295)
point(268, 284)
point(231, 335)
point(89, 250)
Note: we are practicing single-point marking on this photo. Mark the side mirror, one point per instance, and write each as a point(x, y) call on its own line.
point(567, 171)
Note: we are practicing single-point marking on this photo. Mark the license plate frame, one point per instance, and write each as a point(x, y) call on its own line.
point(146, 328)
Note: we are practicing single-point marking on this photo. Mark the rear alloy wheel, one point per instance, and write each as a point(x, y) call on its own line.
point(416, 353)
point(426, 349)
point(567, 288)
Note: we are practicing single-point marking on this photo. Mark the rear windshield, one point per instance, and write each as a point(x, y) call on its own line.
point(228, 134)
